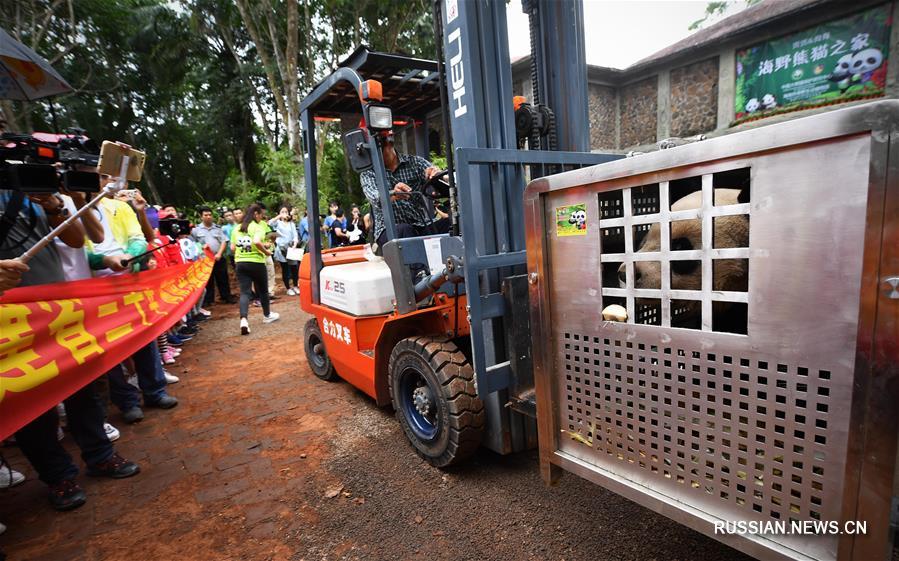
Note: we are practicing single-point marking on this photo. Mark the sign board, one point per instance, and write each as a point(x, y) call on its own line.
point(835, 62)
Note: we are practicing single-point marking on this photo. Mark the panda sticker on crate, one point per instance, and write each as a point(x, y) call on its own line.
point(571, 220)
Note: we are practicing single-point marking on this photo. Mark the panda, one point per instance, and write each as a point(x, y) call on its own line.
point(865, 62)
point(245, 243)
point(752, 105)
point(842, 73)
point(729, 275)
point(579, 218)
point(769, 101)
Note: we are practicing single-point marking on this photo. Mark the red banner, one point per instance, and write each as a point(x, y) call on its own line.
point(56, 338)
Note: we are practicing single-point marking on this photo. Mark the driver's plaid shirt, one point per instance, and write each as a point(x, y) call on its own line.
point(411, 171)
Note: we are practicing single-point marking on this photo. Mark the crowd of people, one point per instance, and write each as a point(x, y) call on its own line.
point(120, 236)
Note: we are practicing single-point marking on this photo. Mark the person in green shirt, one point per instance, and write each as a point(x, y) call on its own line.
point(250, 252)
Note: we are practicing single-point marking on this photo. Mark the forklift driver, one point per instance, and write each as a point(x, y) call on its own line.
point(406, 173)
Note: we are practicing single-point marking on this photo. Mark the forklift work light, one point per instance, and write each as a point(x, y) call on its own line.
point(380, 117)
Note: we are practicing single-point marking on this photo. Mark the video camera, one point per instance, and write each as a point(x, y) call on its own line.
point(30, 163)
point(174, 227)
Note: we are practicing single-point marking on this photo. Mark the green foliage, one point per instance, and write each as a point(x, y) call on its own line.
point(714, 10)
point(183, 81)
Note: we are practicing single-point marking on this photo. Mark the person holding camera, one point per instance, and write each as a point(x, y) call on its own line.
point(24, 221)
point(287, 238)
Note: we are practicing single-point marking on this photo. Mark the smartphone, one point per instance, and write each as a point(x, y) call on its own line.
point(127, 194)
point(111, 155)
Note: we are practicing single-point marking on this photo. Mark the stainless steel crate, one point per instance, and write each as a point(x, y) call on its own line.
point(790, 416)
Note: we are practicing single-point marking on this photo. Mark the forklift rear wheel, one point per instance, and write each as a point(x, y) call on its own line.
point(433, 392)
point(318, 358)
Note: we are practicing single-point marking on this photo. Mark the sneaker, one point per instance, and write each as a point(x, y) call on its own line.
point(171, 378)
point(244, 326)
point(186, 335)
point(59, 434)
point(9, 477)
point(164, 402)
point(257, 303)
point(116, 467)
point(67, 495)
point(133, 415)
point(272, 316)
point(112, 433)
point(174, 340)
point(168, 357)
point(198, 318)
point(176, 352)
point(61, 412)
point(205, 312)
point(293, 292)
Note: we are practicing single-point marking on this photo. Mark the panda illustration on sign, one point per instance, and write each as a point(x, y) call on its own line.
point(864, 63)
point(769, 102)
point(752, 105)
point(841, 73)
point(730, 275)
point(579, 219)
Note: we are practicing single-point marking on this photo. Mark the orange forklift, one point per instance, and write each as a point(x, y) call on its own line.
point(437, 326)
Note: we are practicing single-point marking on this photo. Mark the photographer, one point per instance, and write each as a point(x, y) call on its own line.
point(25, 221)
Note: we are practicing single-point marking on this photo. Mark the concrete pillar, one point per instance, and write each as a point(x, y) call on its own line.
point(618, 118)
point(726, 82)
point(663, 105)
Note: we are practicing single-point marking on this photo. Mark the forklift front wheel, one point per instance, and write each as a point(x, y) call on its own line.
point(318, 358)
point(433, 393)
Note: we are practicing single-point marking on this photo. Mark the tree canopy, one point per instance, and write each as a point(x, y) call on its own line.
point(210, 89)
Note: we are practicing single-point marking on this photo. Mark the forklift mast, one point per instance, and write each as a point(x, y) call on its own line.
point(491, 174)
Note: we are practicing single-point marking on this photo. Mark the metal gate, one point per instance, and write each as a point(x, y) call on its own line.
point(756, 378)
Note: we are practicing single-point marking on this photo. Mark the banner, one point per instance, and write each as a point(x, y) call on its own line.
point(56, 338)
point(835, 62)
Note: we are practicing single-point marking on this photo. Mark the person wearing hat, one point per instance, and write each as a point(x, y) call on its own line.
point(405, 173)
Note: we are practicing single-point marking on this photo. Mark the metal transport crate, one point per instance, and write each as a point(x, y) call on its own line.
point(756, 376)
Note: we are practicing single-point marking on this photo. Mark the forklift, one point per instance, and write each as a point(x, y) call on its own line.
point(436, 326)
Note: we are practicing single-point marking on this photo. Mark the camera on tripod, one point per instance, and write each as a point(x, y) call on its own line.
point(44, 162)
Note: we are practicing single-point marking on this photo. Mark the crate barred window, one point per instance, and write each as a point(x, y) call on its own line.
point(676, 253)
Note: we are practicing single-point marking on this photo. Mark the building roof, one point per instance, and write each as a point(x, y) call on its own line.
point(742, 22)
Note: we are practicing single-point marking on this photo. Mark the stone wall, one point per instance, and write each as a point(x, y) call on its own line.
point(694, 98)
point(603, 113)
point(639, 106)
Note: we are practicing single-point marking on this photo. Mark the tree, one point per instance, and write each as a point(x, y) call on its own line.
point(715, 10)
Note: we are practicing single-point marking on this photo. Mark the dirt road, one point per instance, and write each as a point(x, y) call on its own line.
point(262, 461)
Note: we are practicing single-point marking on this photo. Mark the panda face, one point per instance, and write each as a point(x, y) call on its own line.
point(768, 101)
point(865, 61)
point(578, 217)
point(686, 235)
point(843, 67)
point(752, 105)
point(245, 243)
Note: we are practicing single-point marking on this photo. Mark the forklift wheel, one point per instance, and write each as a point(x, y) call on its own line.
point(318, 358)
point(433, 393)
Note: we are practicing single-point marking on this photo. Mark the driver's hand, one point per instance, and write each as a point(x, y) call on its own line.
point(404, 189)
point(431, 172)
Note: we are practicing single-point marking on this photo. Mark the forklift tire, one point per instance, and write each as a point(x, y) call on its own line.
point(433, 392)
point(318, 358)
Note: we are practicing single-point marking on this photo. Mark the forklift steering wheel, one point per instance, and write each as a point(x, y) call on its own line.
point(435, 187)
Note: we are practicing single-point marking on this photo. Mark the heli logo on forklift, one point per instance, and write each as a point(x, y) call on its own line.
point(336, 287)
point(337, 331)
point(457, 73)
